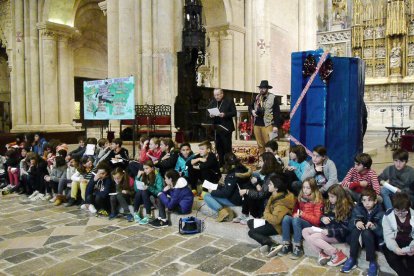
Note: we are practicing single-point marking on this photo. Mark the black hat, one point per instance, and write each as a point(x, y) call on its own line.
point(265, 84)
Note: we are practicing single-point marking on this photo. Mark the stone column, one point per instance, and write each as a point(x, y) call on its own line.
point(146, 32)
point(249, 48)
point(126, 38)
point(66, 96)
point(113, 38)
point(261, 39)
point(215, 58)
point(307, 25)
point(34, 65)
point(138, 51)
point(50, 97)
point(27, 61)
point(226, 59)
point(18, 99)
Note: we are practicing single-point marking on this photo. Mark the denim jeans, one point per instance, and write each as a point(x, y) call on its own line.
point(216, 203)
point(297, 224)
point(386, 197)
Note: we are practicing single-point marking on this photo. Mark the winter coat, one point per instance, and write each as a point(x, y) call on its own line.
point(390, 229)
point(101, 187)
point(329, 170)
point(311, 211)
point(337, 229)
point(263, 193)
point(168, 163)
point(182, 164)
point(77, 153)
point(39, 147)
point(229, 190)
point(180, 195)
point(359, 213)
point(156, 187)
point(58, 173)
point(124, 156)
point(300, 167)
point(277, 207)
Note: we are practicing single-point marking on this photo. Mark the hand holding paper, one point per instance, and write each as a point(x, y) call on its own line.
point(214, 111)
point(209, 186)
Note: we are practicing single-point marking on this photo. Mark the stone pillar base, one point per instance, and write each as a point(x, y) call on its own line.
point(43, 128)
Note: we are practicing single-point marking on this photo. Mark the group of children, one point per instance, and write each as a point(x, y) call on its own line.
point(300, 200)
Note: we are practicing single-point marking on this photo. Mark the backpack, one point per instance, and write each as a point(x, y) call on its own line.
point(190, 225)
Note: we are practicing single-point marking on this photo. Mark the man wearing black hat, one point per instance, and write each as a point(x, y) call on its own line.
point(266, 115)
point(223, 122)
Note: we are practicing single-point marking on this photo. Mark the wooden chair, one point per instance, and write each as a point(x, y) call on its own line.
point(162, 126)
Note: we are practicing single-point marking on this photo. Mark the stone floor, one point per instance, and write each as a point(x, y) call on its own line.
point(40, 239)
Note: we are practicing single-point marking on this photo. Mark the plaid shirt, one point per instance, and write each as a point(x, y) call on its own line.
point(353, 179)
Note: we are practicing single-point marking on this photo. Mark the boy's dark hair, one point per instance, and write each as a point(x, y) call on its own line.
point(62, 153)
point(278, 183)
point(91, 141)
point(230, 162)
point(117, 141)
point(364, 159)
point(205, 143)
point(168, 142)
point(85, 159)
point(60, 161)
point(270, 164)
point(104, 166)
point(401, 201)
point(185, 144)
point(272, 144)
point(173, 174)
point(321, 150)
point(400, 154)
point(300, 152)
point(81, 138)
point(102, 141)
point(370, 193)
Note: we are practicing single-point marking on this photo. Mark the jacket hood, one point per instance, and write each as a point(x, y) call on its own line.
point(288, 200)
point(181, 183)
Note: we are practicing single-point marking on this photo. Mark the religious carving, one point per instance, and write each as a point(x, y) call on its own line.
point(339, 9)
point(395, 56)
point(380, 52)
point(369, 72)
point(368, 33)
point(380, 71)
point(368, 53)
point(380, 32)
point(410, 70)
point(411, 49)
point(396, 21)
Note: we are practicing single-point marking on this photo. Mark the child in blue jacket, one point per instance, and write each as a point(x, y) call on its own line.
point(184, 157)
point(176, 196)
point(98, 189)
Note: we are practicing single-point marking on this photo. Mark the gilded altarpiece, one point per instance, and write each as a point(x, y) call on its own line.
point(383, 35)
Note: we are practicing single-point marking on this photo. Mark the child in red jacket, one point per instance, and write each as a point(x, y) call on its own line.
point(307, 212)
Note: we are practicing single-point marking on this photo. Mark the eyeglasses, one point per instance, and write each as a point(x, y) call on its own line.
point(400, 213)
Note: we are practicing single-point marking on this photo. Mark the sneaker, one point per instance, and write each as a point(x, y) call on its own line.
point(46, 197)
point(70, 203)
point(338, 259)
point(372, 269)
point(53, 199)
point(35, 193)
point(286, 249)
point(297, 252)
point(222, 215)
point(92, 209)
point(349, 265)
point(5, 192)
point(194, 192)
point(159, 223)
point(274, 250)
point(137, 218)
point(37, 197)
point(101, 212)
point(264, 249)
point(84, 207)
point(112, 216)
point(58, 201)
point(144, 221)
point(323, 258)
point(129, 218)
point(240, 218)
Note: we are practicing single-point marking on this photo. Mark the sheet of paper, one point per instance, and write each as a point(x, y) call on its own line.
point(209, 186)
point(390, 187)
point(140, 185)
point(113, 194)
point(272, 135)
point(213, 111)
point(90, 149)
point(258, 222)
point(114, 160)
point(316, 229)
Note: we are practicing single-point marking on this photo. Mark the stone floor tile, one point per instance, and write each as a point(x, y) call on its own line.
point(168, 256)
point(197, 242)
point(142, 268)
point(161, 232)
point(14, 234)
point(132, 242)
point(36, 228)
point(166, 242)
point(69, 231)
point(13, 252)
point(239, 250)
point(98, 221)
point(230, 272)
point(112, 266)
point(201, 255)
point(21, 257)
point(69, 267)
point(78, 222)
point(131, 231)
point(106, 240)
point(248, 264)
point(101, 254)
point(85, 237)
point(31, 266)
point(44, 232)
point(216, 264)
point(108, 229)
point(305, 269)
point(23, 242)
point(60, 245)
point(43, 250)
point(224, 243)
point(55, 239)
point(172, 269)
point(139, 253)
point(195, 272)
point(274, 266)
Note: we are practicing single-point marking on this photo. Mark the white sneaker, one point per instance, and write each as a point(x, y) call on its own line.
point(53, 199)
point(37, 197)
point(92, 209)
point(84, 207)
point(35, 193)
point(46, 197)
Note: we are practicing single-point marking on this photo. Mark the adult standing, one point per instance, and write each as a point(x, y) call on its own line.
point(266, 115)
point(223, 134)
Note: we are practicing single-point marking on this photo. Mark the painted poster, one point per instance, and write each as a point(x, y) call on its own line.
point(110, 99)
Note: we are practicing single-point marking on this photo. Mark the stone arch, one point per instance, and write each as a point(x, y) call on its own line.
point(217, 12)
